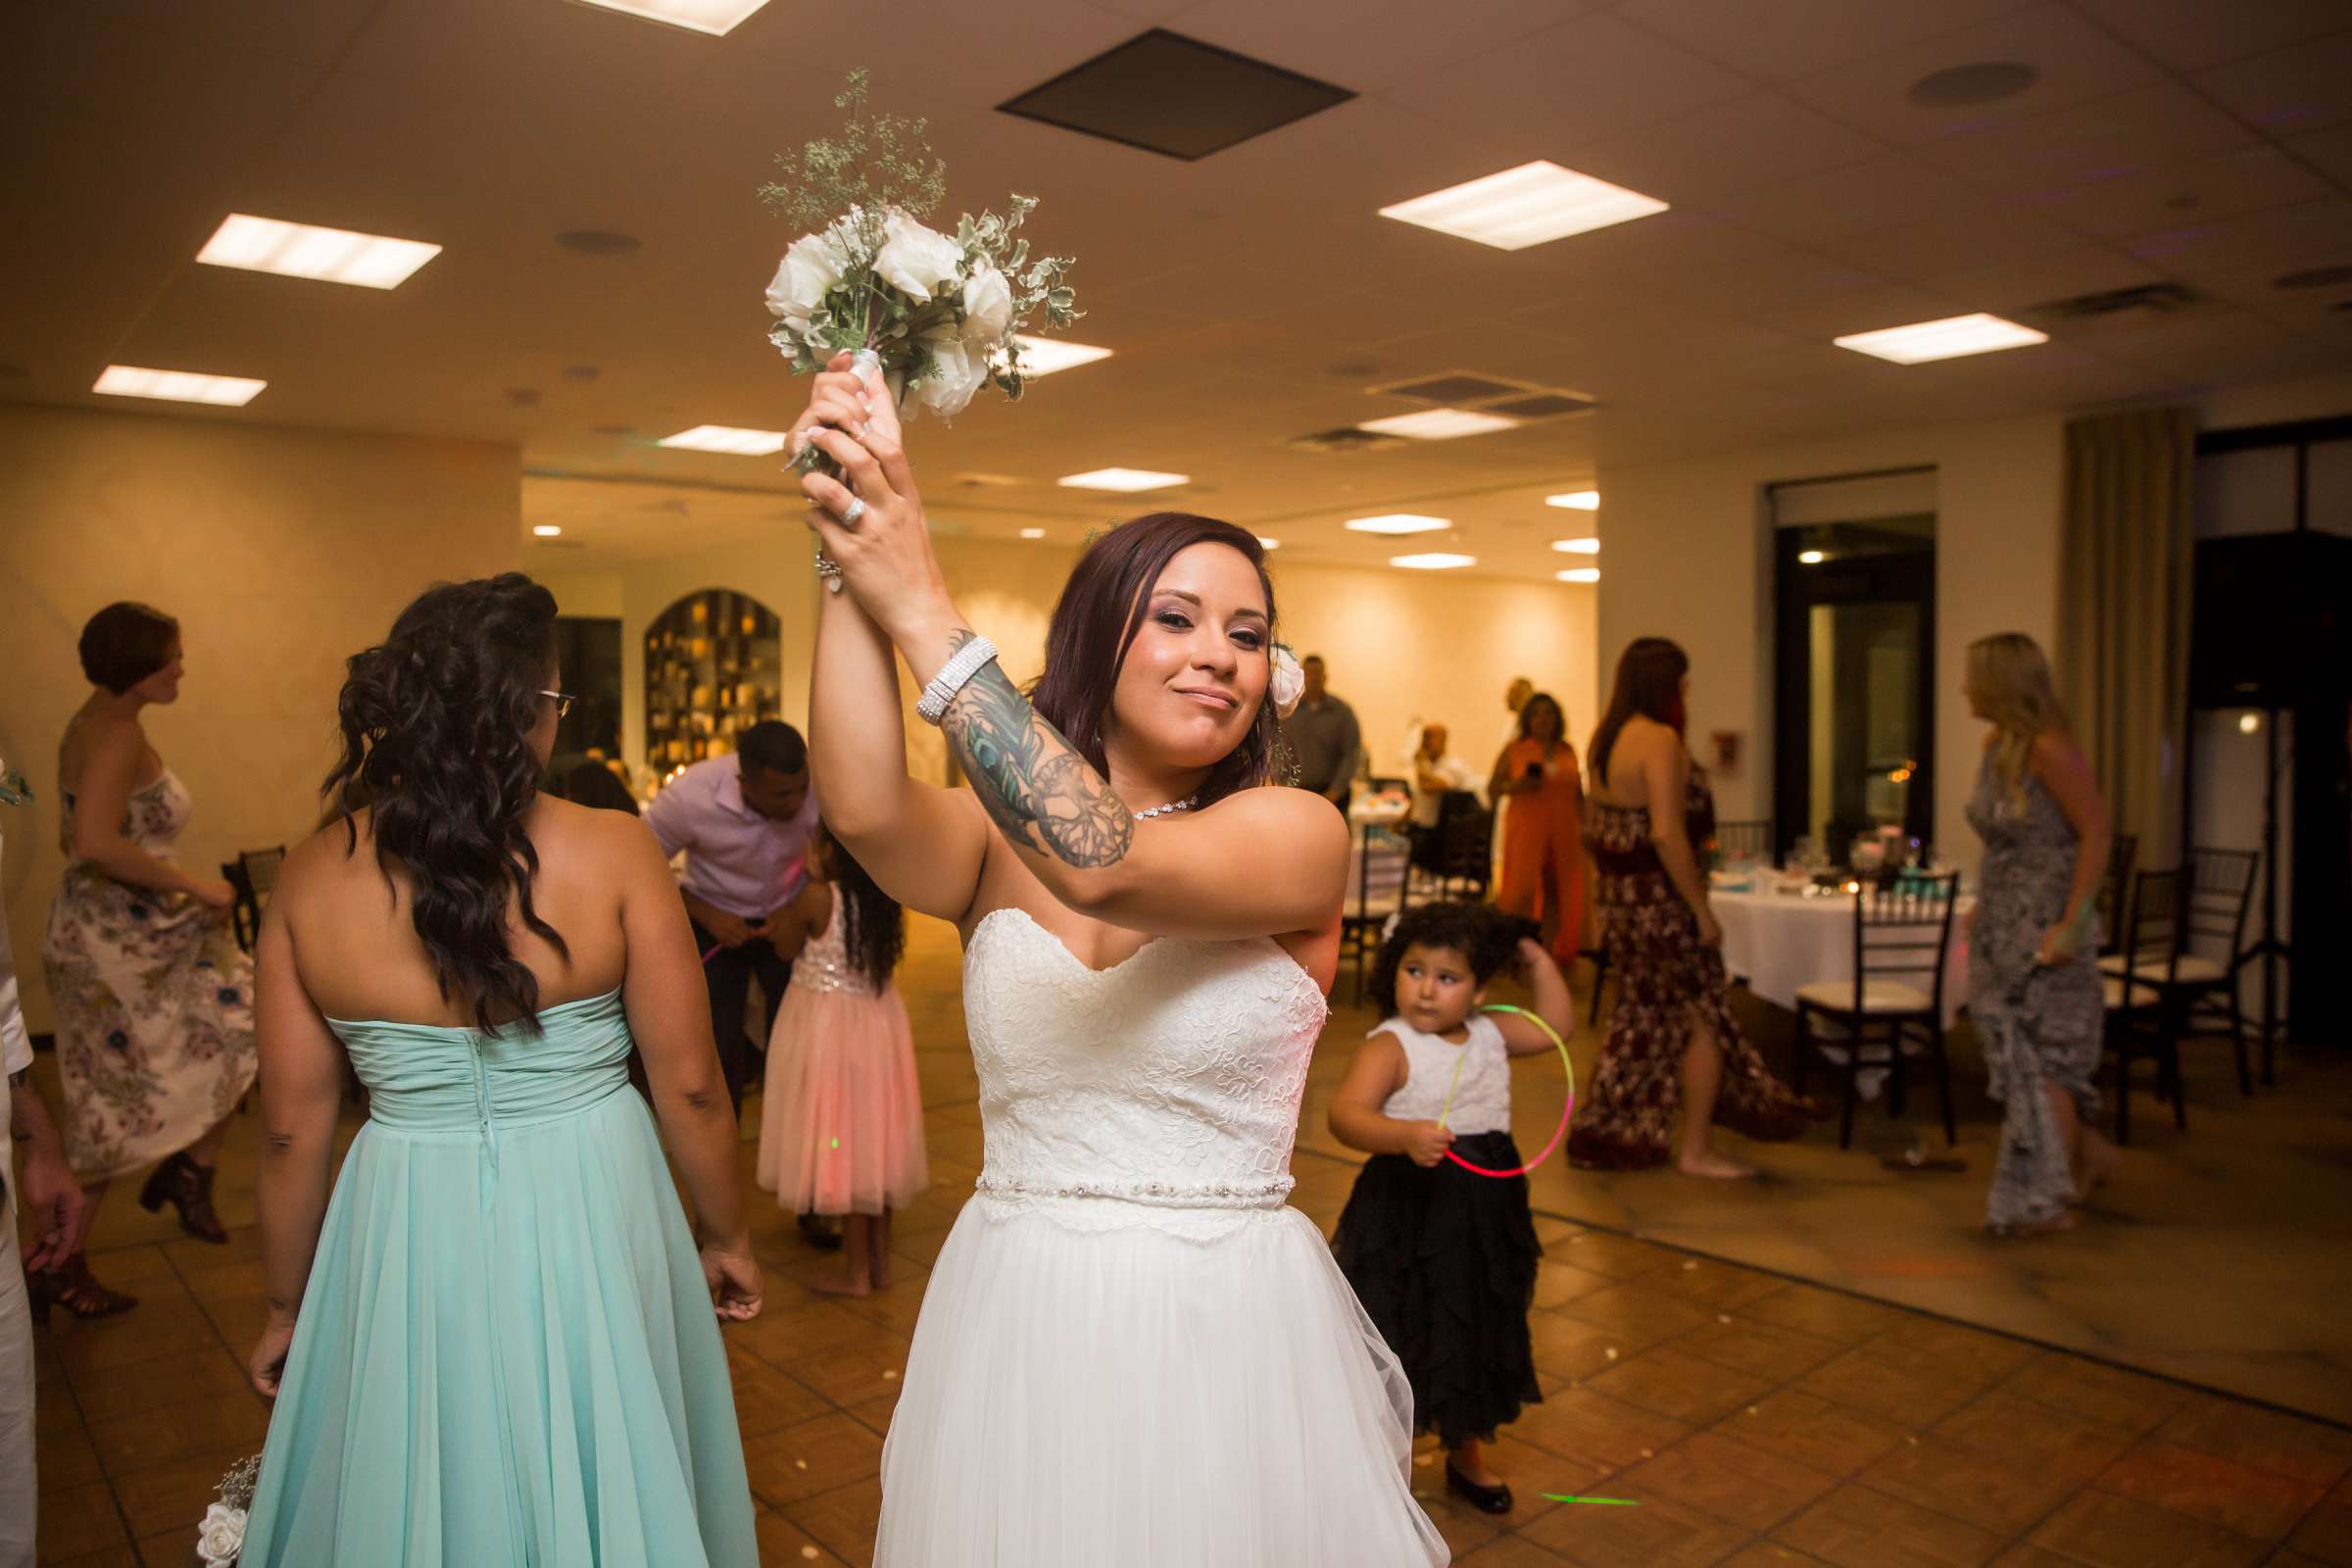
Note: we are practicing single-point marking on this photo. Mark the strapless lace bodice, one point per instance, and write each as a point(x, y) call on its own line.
point(1171, 1080)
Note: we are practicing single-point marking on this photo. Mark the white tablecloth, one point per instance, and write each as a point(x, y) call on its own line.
point(1778, 942)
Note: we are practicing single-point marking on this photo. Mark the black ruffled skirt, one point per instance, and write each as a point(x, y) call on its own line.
point(1444, 1262)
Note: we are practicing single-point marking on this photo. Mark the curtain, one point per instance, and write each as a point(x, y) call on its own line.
point(2122, 603)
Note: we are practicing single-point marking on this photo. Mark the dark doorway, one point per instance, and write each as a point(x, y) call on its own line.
point(588, 653)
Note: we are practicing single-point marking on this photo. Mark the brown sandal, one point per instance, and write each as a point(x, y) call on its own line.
point(72, 1286)
point(187, 1187)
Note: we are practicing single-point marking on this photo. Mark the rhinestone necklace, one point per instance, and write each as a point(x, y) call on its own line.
point(1169, 809)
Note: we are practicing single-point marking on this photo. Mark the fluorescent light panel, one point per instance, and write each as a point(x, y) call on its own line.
point(1433, 561)
point(1579, 575)
point(1439, 424)
point(1123, 479)
point(176, 386)
point(1528, 204)
point(717, 18)
point(1948, 339)
point(547, 531)
point(1576, 501)
point(1044, 355)
point(725, 438)
point(1033, 533)
point(304, 250)
point(1811, 557)
point(1577, 546)
point(1264, 543)
point(1400, 523)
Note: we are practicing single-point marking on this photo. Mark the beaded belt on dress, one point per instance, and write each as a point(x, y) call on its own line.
point(1163, 1195)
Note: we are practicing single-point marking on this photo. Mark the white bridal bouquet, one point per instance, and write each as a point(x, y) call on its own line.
point(936, 312)
point(221, 1538)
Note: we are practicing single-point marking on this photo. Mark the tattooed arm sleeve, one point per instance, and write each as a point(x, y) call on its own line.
point(1039, 791)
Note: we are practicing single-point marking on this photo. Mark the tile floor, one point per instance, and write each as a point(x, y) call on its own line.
point(1754, 1419)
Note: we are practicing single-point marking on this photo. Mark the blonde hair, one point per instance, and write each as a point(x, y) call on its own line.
point(2011, 679)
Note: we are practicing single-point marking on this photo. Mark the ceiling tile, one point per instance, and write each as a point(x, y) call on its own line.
point(2280, 239)
point(2329, 149)
point(2014, 288)
point(1856, 198)
point(2155, 126)
point(1977, 232)
point(2288, 90)
point(1550, 94)
point(2187, 35)
point(2076, 61)
point(1714, 154)
point(1383, 43)
point(2243, 181)
point(1792, 38)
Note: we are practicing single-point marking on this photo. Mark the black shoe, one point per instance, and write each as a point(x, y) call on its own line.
point(819, 1233)
point(1486, 1499)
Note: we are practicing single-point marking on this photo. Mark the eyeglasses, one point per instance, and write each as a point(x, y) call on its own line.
point(562, 701)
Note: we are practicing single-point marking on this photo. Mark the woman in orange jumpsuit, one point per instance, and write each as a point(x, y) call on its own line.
point(1542, 826)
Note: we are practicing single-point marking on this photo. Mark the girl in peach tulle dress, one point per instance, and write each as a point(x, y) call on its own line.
point(840, 1127)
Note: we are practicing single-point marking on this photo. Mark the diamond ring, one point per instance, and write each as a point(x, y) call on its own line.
point(856, 510)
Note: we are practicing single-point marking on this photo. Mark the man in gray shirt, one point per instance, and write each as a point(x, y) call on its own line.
point(1322, 734)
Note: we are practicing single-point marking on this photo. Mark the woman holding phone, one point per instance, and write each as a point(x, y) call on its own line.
point(1542, 826)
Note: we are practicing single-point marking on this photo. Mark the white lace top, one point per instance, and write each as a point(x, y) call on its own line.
point(1482, 1098)
point(1170, 1081)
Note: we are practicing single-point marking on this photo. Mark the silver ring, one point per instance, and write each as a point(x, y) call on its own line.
point(856, 510)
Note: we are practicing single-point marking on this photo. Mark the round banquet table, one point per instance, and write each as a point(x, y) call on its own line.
point(1778, 942)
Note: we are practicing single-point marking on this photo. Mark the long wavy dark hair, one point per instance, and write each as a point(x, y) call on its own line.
point(436, 720)
point(1095, 622)
point(873, 924)
point(1649, 682)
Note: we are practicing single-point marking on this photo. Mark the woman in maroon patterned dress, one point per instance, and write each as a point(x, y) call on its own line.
point(1672, 1040)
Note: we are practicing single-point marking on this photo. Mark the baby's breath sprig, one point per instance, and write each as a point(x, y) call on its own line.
point(878, 162)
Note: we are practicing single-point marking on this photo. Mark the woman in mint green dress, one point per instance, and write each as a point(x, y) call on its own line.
point(498, 1344)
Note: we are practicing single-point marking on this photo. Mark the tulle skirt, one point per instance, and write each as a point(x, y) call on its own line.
point(1095, 1382)
point(1444, 1262)
point(841, 1124)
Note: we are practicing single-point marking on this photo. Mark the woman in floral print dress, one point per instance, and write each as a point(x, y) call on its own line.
point(154, 1003)
point(1672, 1042)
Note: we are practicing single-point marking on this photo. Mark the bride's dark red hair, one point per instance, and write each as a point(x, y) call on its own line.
point(1095, 622)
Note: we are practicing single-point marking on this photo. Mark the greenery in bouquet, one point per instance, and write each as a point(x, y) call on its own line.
point(939, 312)
point(221, 1538)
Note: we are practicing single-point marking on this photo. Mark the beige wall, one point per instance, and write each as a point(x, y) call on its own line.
point(1686, 555)
point(282, 552)
point(1401, 646)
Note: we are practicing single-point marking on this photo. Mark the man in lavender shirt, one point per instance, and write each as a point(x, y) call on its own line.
point(745, 822)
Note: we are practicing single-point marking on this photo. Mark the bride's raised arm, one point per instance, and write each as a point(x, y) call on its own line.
point(1261, 862)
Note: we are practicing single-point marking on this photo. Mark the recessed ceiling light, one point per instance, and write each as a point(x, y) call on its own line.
point(1264, 543)
point(1033, 533)
point(717, 18)
point(1811, 557)
point(1125, 479)
point(1947, 339)
point(1437, 424)
point(301, 250)
point(1579, 575)
point(547, 531)
point(1577, 546)
point(1525, 206)
point(1434, 561)
point(176, 386)
point(1576, 501)
point(1400, 523)
point(725, 438)
point(1043, 356)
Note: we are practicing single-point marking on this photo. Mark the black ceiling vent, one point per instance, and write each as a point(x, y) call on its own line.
point(1174, 95)
point(1347, 438)
point(1452, 389)
point(1542, 406)
point(2157, 299)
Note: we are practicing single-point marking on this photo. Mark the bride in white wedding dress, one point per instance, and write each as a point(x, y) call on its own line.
point(1132, 1351)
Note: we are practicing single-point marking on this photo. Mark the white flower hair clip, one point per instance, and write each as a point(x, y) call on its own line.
point(1388, 927)
point(1288, 683)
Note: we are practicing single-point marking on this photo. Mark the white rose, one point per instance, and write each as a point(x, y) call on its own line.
point(914, 260)
point(957, 374)
point(811, 268)
point(222, 1535)
point(1287, 682)
point(987, 308)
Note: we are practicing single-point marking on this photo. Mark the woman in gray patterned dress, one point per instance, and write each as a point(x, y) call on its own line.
point(2034, 979)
